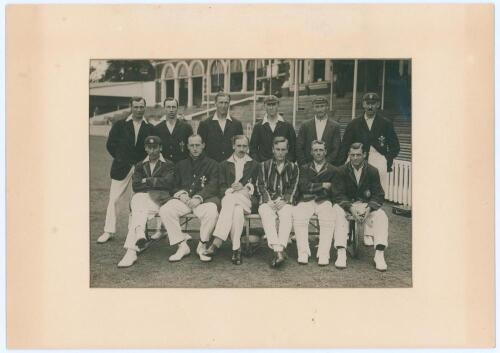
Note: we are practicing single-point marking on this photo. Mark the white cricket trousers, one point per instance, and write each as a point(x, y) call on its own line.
point(377, 225)
point(277, 240)
point(332, 221)
point(232, 217)
point(116, 191)
point(142, 209)
point(380, 162)
point(174, 209)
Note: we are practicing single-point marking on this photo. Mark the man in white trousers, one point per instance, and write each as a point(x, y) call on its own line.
point(237, 180)
point(126, 145)
point(359, 193)
point(277, 185)
point(152, 182)
point(196, 191)
point(316, 180)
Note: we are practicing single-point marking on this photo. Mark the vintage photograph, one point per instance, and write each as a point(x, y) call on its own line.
point(250, 173)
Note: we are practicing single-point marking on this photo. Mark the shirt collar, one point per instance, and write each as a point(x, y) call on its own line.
point(245, 159)
point(161, 159)
point(367, 118)
point(360, 168)
point(321, 120)
point(280, 118)
point(216, 117)
point(130, 118)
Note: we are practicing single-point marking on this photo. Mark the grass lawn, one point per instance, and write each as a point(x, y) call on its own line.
point(154, 270)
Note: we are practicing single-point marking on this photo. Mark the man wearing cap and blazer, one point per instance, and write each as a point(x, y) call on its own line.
point(319, 128)
point(377, 135)
point(272, 125)
point(217, 133)
point(126, 145)
point(152, 182)
point(173, 132)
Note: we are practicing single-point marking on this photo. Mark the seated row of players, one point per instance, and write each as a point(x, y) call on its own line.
point(173, 134)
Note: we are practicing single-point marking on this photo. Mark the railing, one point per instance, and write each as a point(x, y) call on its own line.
point(399, 188)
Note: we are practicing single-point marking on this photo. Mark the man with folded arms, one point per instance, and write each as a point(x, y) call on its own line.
point(196, 191)
point(237, 177)
point(277, 185)
point(152, 182)
point(316, 181)
point(359, 193)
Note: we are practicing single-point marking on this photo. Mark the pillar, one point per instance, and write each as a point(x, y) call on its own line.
point(291, 73)
point(245, 80)
point(176, 89)
point(401, 67)
point(309, 71)
point(190, 92)
point(328, 70)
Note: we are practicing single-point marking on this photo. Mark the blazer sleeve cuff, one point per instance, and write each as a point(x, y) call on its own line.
point(179, 193)
point(374, 205)
point(198, 197)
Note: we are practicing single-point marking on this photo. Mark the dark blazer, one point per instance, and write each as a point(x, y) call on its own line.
point(158, 183)
point(122, 148)
point(261, 142)
point(307, 134)
point(198, 177)
point(250, 174)
point(218, 144)
point(382, 137)
point(174, 145)
point(369, 189)
point(310, 182)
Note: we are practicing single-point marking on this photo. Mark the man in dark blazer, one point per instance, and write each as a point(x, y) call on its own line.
point(320, 128)
point(272, 125)
point(377, 135)
point(152, 182)
point(173, 132)
point(359, 193)
point(316, 181)
point(237, 186)
point(219, 131)
point(196, 191)
point(126, 145)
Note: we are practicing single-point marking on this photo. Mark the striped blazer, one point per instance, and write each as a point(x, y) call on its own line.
point(272, 184)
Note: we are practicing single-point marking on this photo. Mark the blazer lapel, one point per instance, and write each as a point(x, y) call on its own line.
point(227, 126)
point(157, 168)
point(314, 132)
point(130, 132)
point(142, 132)
point(328, 130)
point(147, 169)
point(363, 175)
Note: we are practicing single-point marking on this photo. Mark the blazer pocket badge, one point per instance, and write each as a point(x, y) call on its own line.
point(368, 194)
point(181, 146)
point(203, 180)
point(381, 140)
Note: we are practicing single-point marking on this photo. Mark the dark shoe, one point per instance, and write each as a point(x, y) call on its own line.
point(273, 261)
point(236, 259)
point(141, 243)
point(280, 258)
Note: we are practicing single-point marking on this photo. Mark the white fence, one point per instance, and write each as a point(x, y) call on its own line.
point(399, 188)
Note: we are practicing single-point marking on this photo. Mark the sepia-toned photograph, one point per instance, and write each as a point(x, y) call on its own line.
point(250, 173)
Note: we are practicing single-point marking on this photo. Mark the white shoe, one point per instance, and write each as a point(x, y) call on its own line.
point(182, 250)
point(303, 259)
point(129, 259)
point(200, 250)
point(380, 264)
point(157, 235)
point(341, 261)
point(323, 261)
point(368, 240)
point(104, 237)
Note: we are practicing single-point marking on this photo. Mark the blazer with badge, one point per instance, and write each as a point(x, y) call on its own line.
point(174, 145)
point(218, 144)
point(122, 147)
point(368, 191)
point(227, 175)
point(158, 183)
point(381, 136)
point(307, 134)
point(311, 182)
point(198, 177)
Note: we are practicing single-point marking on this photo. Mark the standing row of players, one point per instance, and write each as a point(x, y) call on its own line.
point(186, 177)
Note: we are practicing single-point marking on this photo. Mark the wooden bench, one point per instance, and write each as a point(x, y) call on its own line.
point(249, 247)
